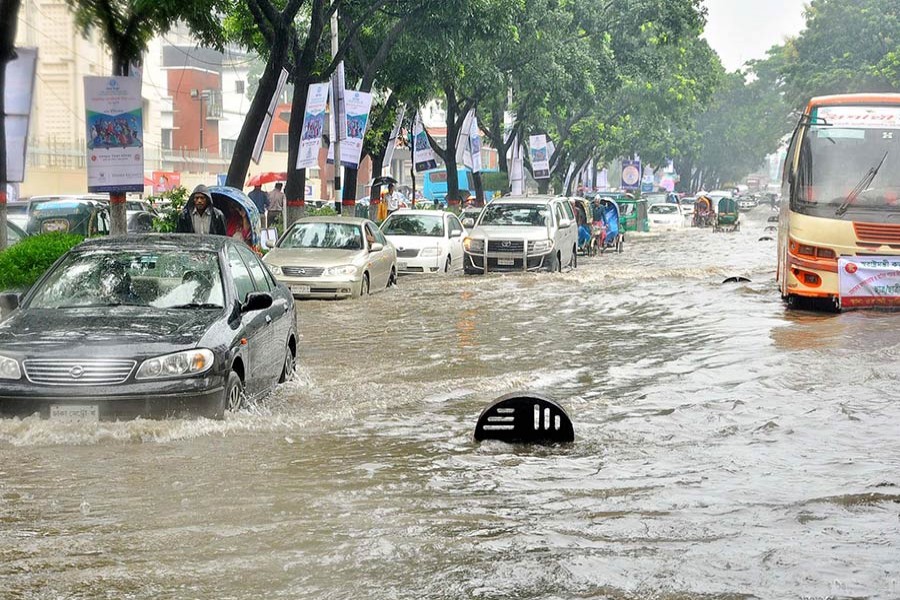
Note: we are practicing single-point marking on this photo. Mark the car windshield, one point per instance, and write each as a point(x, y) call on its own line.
point(529, 215)
point(626, 209)
point(664, 209)
point(134, 206)
point(150, 278)
point(330, 236)
point(417, 225)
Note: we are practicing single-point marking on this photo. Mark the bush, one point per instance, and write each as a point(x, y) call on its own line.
point(175, 201)
point(23, 264)
point(326, 211)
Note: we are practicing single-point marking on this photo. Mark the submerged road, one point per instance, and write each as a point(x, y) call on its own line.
point(725, 448)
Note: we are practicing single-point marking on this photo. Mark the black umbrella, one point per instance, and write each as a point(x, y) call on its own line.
point(383, 180)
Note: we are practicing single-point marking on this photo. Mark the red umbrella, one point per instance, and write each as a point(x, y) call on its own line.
point(267, 177)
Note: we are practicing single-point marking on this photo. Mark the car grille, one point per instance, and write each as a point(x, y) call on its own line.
point(506, 246)
point(303, 271)
point(78, 372)
point(407, 253)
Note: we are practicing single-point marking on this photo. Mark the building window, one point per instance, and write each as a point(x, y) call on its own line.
point(239, 86)
point(228, 148)
point(280, 142)
point(166, 139)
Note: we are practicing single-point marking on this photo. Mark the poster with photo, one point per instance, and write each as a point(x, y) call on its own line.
point(114, 133)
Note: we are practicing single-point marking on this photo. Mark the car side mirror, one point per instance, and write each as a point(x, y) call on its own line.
point(270, 243)
point(376, 247)
point(256, 301)
point(10, 301)
point(468, 222)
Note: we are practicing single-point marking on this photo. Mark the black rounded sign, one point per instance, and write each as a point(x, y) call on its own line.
point(525, 418)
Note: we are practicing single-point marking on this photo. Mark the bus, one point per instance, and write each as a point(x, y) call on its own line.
point(435, 184)
point(839, 225)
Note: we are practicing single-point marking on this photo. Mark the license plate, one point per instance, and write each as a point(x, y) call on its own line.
point(401, 266)
point(75, 413)
point(505, 262)
point(300, 289)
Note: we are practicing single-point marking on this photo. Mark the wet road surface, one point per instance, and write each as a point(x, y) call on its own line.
point(725, 448)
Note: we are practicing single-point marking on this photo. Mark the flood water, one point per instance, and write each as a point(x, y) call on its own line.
point(725, 448)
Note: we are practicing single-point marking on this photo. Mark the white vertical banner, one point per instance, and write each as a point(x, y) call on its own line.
point(517, 169)
point(475, 145)
point(20, 74)
point(540, 158)
point(270, 115)
point(115, 144)
point(358, 105)
point(337, 101)
point(392, 142)
point(463, 151)
point(423, 154)
point(313, 126)
point(603, 181)
point(568, 177)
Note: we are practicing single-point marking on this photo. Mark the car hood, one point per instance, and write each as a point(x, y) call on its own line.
point(413, 241)
point(510, 233)
point(304, 257)
point(117, 331)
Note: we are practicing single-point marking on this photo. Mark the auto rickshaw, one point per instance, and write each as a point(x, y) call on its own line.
point(703, 212)
point(614, 237)
point(72, 215)
point(632, 214)
point(728, 217)
point(241, 216)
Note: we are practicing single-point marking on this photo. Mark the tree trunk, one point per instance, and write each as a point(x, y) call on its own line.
point(9, 11)
point(295, 187)
point(253, 121)
point(375, 192)
point(479, 189)
point(543, 186)
point(118, 217)
point(453, 194)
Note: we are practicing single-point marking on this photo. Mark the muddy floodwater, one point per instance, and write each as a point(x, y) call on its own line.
point(725, 448)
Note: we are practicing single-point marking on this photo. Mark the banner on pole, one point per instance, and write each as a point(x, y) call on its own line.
point(423, 154)
point(392, 141)
point(358, 105)
point(569, 177)
point(517, 170)
point(631, 175)
point(270, 115)
point(313, 126)
point(17, 96)
point(338, 107)
point(868, 281)
point(463, 150)
point(540, 158)
point(115, 153)
point(475, 145)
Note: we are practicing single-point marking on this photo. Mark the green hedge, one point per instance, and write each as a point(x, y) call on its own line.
point(23, 264)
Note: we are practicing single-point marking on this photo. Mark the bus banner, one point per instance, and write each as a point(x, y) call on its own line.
point(867, 281)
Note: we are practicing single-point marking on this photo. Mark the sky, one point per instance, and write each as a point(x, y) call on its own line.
point(742, 30)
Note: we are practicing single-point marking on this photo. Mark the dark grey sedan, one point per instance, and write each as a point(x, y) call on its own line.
point(150, 325)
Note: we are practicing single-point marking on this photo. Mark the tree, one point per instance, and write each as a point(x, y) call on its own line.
point(127, 26)
point(9, 10)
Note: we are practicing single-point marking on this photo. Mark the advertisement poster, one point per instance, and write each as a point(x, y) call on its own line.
point(867, 281)
point(357, 106)
point(166, 181)
point(313, 126)
point(540, 159)
point(647, 182)
point(17, 101)
point(115, 136)
point(631, 174)
point(475, 145)
point(392, 141)
point(423, 155)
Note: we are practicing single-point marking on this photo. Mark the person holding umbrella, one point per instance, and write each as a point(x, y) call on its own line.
point(200, 216)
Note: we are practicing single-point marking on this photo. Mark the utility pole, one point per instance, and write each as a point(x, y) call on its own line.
point(336, 95)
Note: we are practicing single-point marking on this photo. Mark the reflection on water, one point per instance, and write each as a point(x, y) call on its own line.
point(724, 449)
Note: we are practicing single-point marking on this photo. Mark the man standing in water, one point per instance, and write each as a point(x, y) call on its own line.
point(200, 216)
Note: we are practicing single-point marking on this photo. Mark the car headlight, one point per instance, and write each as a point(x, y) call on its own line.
point(179, 364)
point(343, 270)
point(275, 269)
point(9, 368)
point(540, 246)
point(430, 252)
point(473, 245)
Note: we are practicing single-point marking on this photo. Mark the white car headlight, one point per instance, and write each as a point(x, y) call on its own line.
point(343, 270)
point(430, 252)
point(473, 245)
point(9, 368)
point(540, 246)
point(179, 364)
point(275, 269)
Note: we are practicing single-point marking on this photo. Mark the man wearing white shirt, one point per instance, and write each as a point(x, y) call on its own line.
point(393, 200)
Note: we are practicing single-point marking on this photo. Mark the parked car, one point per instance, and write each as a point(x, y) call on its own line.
point(147, 325)
point(522, 233)
point(665, 216)
point(333, 257)
point(426, 241)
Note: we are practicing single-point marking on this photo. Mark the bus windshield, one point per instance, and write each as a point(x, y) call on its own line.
point(849, 164)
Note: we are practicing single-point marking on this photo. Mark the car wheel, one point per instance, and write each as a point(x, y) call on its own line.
point(290, 366)
point(364, 286)
point(234, 393)
point(392, 280)
point(574, 262)
point(553, 264)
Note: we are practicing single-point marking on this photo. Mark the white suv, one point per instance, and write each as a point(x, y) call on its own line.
point(522, 234)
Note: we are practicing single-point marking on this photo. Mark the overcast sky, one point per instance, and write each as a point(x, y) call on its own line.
point(741, 30)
